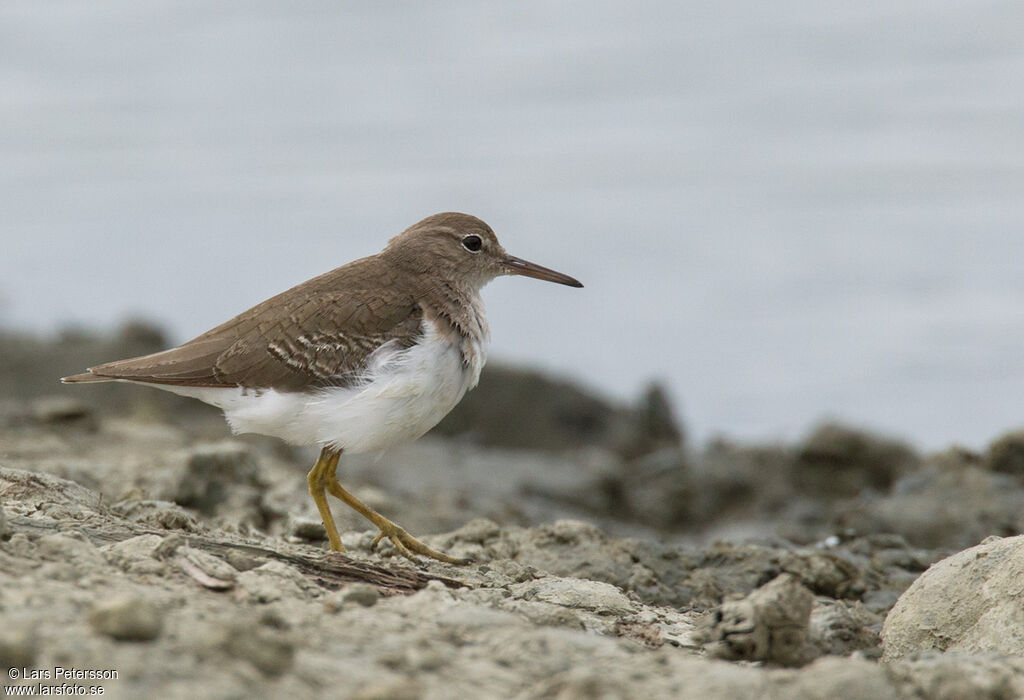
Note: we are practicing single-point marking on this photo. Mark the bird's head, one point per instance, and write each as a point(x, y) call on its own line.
point(463, 249)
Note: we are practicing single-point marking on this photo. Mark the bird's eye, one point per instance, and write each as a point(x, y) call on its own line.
point(473, 243)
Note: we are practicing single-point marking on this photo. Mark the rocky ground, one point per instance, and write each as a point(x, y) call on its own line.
point(610, 558)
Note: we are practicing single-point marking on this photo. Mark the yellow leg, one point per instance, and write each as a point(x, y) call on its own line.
point(322, 477)
point(405, 543)
point(319, 478)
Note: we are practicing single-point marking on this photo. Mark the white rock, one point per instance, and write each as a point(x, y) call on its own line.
point(136, 553)
point(968, 602)
point(576, 593)
point(272, 581)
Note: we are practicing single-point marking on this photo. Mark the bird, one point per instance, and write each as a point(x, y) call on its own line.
point(367, 356)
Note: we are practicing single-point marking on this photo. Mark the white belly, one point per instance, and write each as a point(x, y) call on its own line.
point(405, 394)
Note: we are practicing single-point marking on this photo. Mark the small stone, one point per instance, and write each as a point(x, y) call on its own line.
point(157, 514)
point(136, 555)
point(243, 561)
point(952, 675)
point(477, 531)
point(206, 569)
point(844, 679)
point(569, 531)
point(268, 650)
point(770, 624)
point(841, 627)
point(133, 549)
point(582, 684)
point(18, 645)
point(880, 602)
point(20, 545)
point(1006, 454)
point(416, 657)
point(169, 546)
point(58, 571)
point(146, 567)
point(214, 473)
point(274, 620)
point(305, 529)
point(427, 659)
point(48, 494)
point(647, 634)
point(210, 564)
point(63, 411)
point(547, 614)
point(64, 546)
point(360, 593)
point(5, 528)
point(128, 619)
point(389, 690)
point(271, 582)
point(600, 597)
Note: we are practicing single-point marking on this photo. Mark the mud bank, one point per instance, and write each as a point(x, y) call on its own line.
point(610, 558)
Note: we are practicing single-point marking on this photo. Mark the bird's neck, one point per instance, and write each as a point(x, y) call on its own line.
point(458, 311)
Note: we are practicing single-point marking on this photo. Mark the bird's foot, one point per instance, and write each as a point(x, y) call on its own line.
point(321, 478)
point(408, 546)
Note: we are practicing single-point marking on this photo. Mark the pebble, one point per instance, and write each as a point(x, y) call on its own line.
point(137, 555)
point(213, 472)
point(157, 514)
point(63, 411)
point(242, 561)
point(361, 593)
point(548, 614)
point(575, 531)
point(18, 645)
point(64, 546)
point(582, 684)
point(128, 619)
point(880, 601)
point(133, 549)
point(770, 624)
point(20, 545)
point(576, 593)
point(302, 528)
point(5, 528)
point(208, 570)
point(271, 582)
point(389, 690)
point(841, 627)
point(477, 531)
point(270, 651)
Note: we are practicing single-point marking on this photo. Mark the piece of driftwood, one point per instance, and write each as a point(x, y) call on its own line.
point(328, 569)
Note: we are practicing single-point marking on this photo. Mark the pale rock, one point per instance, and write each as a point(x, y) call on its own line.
point(969, 602)
point(596, 596)
point(129, 619)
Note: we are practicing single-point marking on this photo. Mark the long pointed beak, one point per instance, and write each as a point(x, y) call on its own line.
point(518, 266)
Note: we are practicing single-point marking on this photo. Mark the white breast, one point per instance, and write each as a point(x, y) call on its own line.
point(406, 392)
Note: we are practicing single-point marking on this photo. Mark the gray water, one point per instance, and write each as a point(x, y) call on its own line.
point(787, 211)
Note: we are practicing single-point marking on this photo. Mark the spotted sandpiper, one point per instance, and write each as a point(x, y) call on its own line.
point(369, 355)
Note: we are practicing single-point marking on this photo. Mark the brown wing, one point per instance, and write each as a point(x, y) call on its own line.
point(312, 335)
point(325, 341)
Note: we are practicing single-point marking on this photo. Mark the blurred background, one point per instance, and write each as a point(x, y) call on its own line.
point(786, 212)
